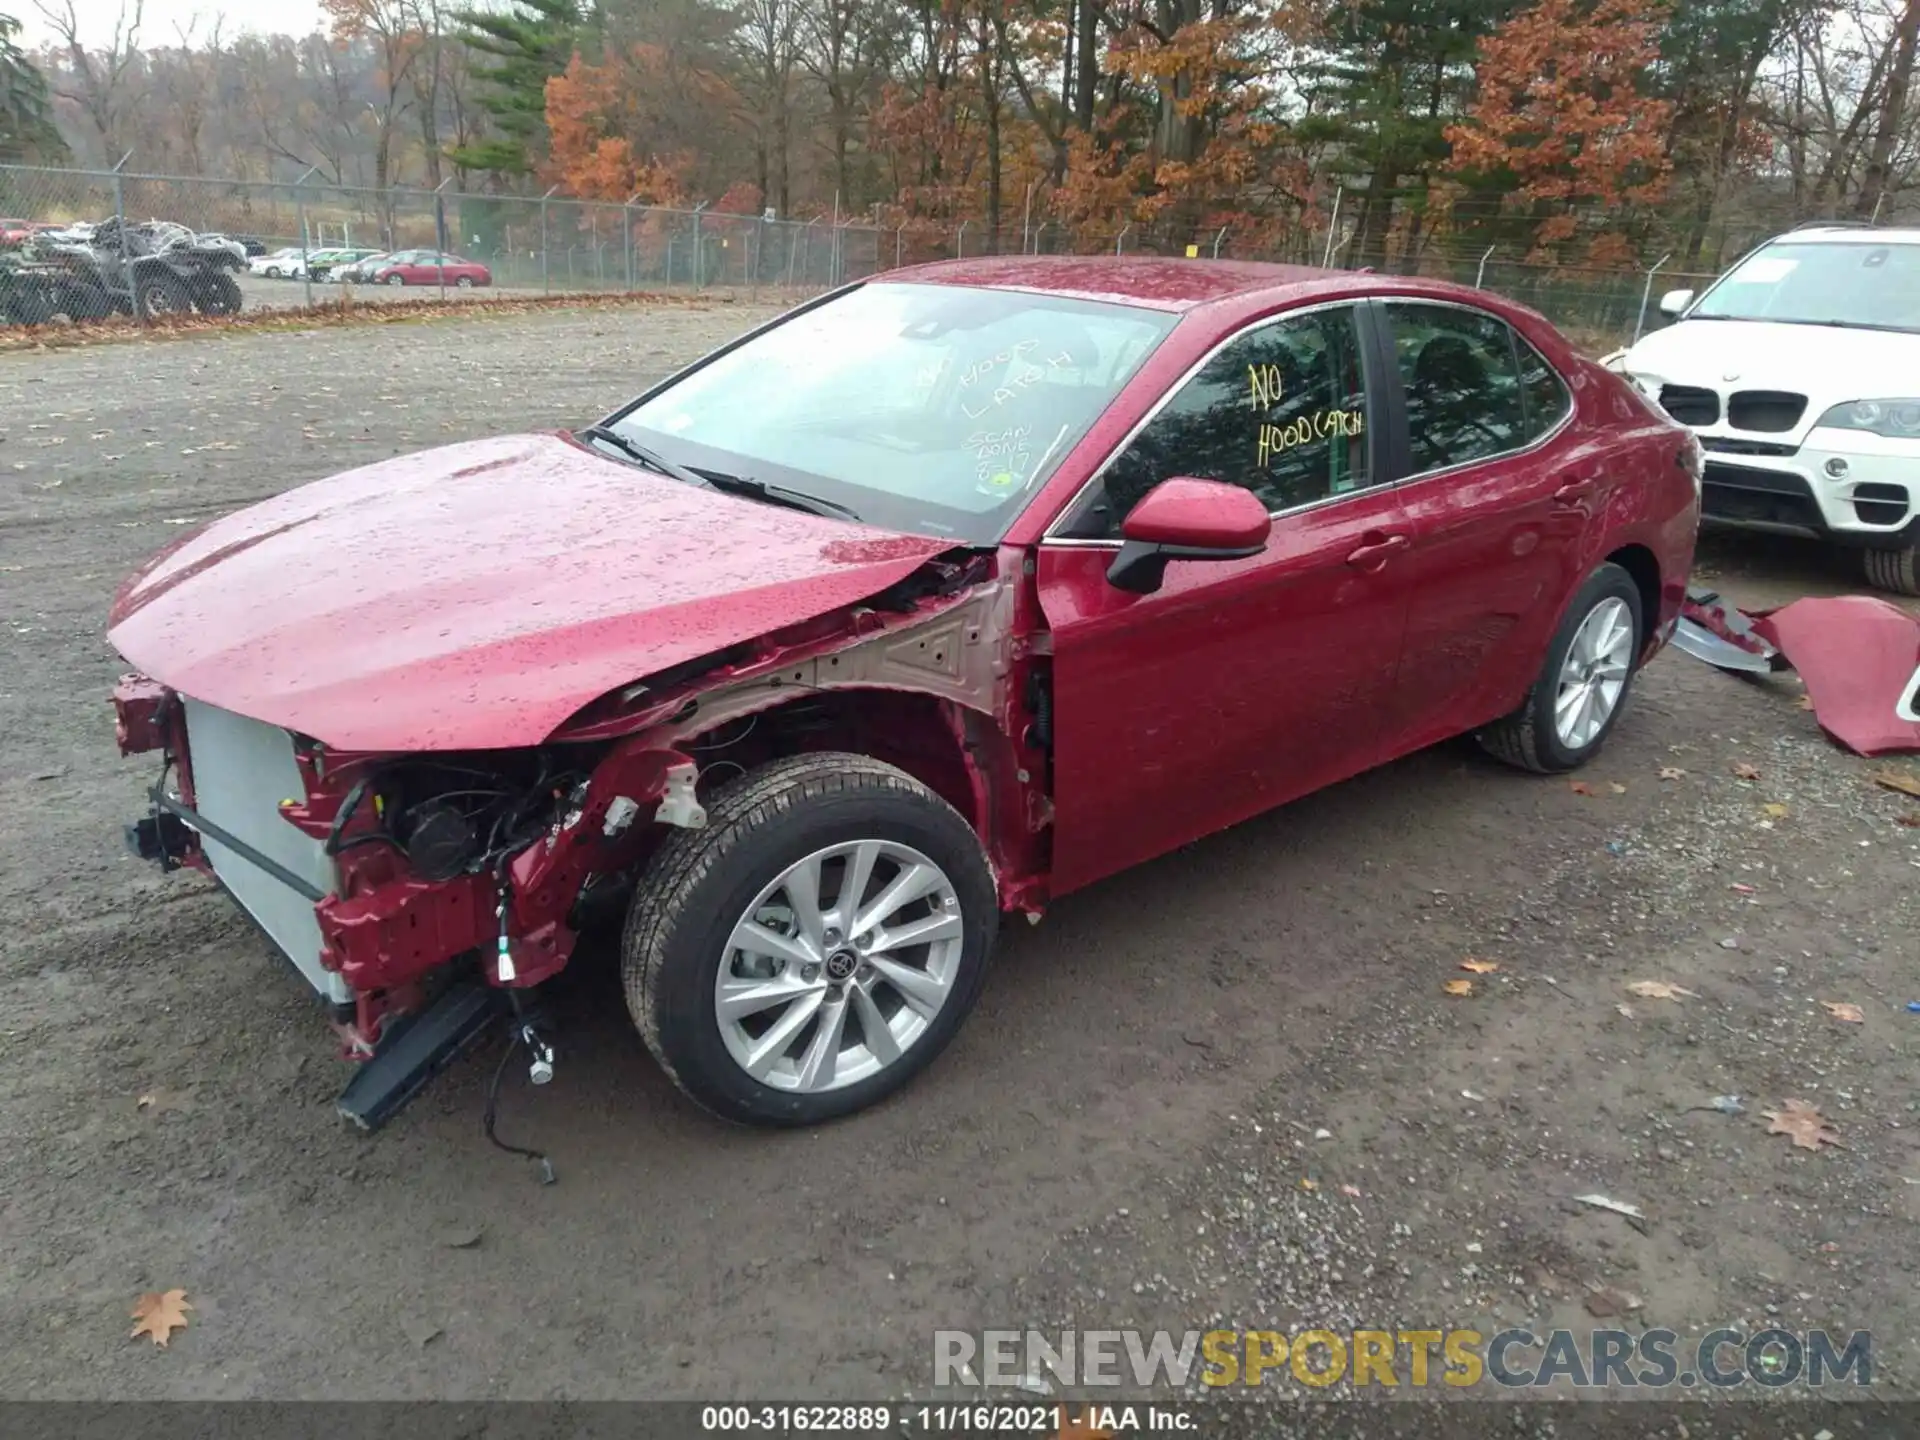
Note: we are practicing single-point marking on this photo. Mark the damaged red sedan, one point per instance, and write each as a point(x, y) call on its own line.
point(933, 600)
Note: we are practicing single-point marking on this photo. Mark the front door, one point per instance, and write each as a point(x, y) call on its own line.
point(1239, 684)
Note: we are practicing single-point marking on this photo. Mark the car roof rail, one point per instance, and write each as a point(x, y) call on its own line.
point(1833, 225)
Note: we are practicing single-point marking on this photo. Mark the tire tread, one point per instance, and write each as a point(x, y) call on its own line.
point(1897, 571)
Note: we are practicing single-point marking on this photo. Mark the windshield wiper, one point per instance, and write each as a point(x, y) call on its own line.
point(775, 494)
point(641, 454)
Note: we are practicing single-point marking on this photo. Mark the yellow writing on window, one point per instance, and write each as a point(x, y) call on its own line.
point(1271, 440)
point(1264, 381)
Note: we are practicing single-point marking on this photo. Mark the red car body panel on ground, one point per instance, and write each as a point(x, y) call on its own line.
point(528, 591)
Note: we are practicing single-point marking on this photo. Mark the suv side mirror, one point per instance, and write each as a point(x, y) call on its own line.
point(1186, 519)
point(1674, 301)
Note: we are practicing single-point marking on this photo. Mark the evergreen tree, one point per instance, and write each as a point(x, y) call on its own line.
point(26, 113)
point(527, 43)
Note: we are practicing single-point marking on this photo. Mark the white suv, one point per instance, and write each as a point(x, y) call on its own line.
point(1799, 371)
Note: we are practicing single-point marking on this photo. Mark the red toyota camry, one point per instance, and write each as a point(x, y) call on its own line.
point(937, 598)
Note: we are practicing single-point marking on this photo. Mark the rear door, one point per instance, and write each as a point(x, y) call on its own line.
point(1239, 684)
point(1498, 494)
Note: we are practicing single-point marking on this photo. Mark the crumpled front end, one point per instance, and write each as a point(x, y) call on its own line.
point(372, 872)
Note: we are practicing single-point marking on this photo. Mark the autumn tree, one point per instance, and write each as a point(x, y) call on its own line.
point(1561, 113)
point(520, 48)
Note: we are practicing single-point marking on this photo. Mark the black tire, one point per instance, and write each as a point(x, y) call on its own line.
point(272, 272)
point(80, 301)
point(700, 882)
point(218, 295)
point(396, 279)
point(1527, 738)
point(1897, 571)
point(159, 293)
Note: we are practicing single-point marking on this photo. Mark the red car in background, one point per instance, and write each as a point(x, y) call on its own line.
point(931, 601)
point(430, 267)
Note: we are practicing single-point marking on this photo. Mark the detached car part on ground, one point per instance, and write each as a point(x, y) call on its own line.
point(930, 602)
point(1799, 369)
point(146, 271)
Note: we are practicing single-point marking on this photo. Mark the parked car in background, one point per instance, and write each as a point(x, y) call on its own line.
point(1026, 571)
point(281, 264)
point(1799, 369)
point(430, 267)
point(358, 272)
point(325, 264)
point(15, 232)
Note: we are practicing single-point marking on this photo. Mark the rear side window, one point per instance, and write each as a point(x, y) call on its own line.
point(1458, 371)
point(1546, 394)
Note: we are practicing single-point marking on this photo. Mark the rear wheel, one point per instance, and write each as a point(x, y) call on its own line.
point(465, 282)
point(396, 279)
point(1583, 684)
point(219, 295)
point(815, 946)
point(160, 293)
point(1896, 570)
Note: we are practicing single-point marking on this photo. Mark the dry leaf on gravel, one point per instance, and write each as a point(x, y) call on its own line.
point(1625, 1009)
point(1804, 1123)
point(1843, 1010)
point(159, 1314)
point(1658, 990)
point(1912, 822)
point(1672, 772)
point(1805, 702)
point(1775, 811)
point(1897, 780)
point(1608, 1301)
point(1742, 770)
point(1616, 787)
point(1580, 787)
point(1458, 987)
point(1479, 967)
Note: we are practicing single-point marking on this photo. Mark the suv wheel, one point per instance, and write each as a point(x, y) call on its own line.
point(1895, 571)
point(812, 948)
point(1583, 685)
point(160, 292)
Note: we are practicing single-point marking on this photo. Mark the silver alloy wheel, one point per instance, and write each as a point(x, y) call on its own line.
point(1593, 674)
point(839, 966)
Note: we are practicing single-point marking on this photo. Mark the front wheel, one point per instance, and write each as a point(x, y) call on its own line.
point(396, 279)
point(160, 293)
point(815, 946)
point(1895, 570)
point(1583, 684)
point(219, 295)
point(465, 282)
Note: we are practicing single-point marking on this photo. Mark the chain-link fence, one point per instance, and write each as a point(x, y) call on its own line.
point(310, 241)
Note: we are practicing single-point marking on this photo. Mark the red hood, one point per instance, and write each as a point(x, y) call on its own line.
point(475, 596)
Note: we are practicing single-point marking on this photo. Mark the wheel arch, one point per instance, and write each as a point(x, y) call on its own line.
point(1641, 564)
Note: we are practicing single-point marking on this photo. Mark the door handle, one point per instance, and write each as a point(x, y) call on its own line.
point(1376, 553)
point(1574, 492)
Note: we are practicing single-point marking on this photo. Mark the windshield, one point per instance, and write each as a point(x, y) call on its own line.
point(1876, 287)
point(936, 409)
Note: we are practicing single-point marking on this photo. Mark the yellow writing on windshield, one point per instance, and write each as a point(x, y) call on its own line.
point(1271, 440)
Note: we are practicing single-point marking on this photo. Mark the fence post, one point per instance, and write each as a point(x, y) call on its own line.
point(1039, 235)
point(1333, 225)
point(1120, 240)
point(899, 244)
point(1646, 295)
point(440, 233)
point(546, 272)
point(300, 221)
point(1216, 241)
point(1481, 274)
point(699, 257)
point(120, 215)
point(960, 241)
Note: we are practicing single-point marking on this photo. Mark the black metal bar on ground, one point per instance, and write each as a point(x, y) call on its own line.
point(416, 1049)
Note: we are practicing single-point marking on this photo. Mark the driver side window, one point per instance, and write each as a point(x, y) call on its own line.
point(1280, 411)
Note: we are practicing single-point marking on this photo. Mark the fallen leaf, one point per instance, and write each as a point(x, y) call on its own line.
point(1458, 987)
point(1625, 1009)
point(1618, 1207)
point(1775, 811)
point(1479, 967)
point(1580, 787)
point(1897, 780)
point(1844, 1010)
point(460, 1237)
point(1740, 889)
point(1672, 772)
point(1912, 822)
point(160, 1313)
point(1805, 702)
point(1616, 787)
point(1608, 1301)
point(1351, 1191)
point(1658, 990)
point(1804, 1123)
point(1744, 771)
point(1309, 1184)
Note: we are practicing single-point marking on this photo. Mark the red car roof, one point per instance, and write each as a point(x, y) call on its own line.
point(1149, 280)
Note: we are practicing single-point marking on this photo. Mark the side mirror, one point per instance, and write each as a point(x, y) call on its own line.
point(1674, 301)
point(1186, 519)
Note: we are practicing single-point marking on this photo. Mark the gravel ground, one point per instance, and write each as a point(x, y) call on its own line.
point(1225, 1089)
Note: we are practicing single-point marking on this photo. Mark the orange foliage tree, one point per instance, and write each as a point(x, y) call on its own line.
point(1560, 110)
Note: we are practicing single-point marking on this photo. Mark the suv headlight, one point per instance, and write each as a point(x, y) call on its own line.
point(1896, 419)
